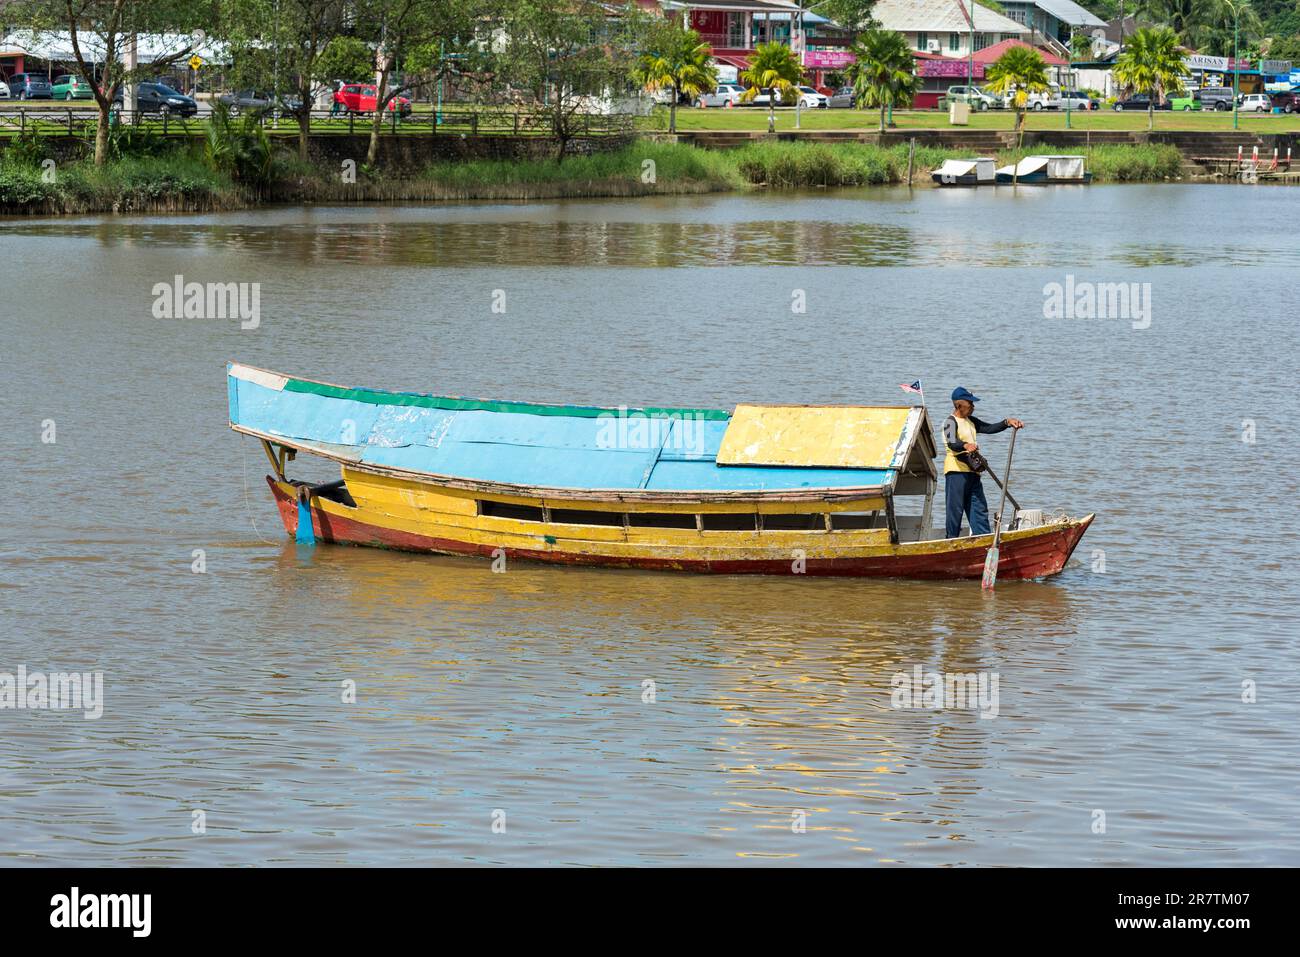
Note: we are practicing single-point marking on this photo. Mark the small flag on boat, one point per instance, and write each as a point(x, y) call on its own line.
point(912, 387)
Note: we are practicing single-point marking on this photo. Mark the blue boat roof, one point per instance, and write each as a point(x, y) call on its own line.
point(520, 444)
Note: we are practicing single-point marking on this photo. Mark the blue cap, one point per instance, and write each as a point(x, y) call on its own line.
point(961, 392)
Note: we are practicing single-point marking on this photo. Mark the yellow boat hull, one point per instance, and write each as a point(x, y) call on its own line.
point(420, 516)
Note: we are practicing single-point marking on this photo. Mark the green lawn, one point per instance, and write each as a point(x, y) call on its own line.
point(750, 118)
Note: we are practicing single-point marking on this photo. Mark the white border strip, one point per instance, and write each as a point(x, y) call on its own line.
point(269, 380)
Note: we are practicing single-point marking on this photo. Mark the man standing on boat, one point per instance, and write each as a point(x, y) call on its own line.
point(962, 486)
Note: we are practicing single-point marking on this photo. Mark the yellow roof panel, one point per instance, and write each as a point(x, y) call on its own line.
point(850, 437)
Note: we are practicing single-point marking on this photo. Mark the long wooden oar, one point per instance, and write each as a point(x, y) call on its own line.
point(991, 559)
point(997, 481)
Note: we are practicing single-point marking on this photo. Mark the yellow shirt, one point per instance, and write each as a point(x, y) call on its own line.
point(965, 433)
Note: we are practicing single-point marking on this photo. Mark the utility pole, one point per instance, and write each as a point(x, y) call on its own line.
point(970, 60)
point(1236, 72)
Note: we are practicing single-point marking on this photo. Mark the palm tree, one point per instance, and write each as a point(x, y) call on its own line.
point(776, 68)
point(676, 59)
point(1202, 24)
point(883, 71)
point(1152, 63)
point(1021, 70)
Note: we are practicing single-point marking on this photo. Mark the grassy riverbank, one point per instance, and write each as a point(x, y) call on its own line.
point(187, 179)
point(755, 119)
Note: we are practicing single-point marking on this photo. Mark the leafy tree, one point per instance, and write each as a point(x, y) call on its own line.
point(850, 14)
point(563, 58)
point(1152, 63)
point(297, 33)
point(1203, 24)
point(677, 60)
point(775, 67)
point(100, 33)
point(396, 29)
point(1020, 71)
point(883, 71)
point(346, 58)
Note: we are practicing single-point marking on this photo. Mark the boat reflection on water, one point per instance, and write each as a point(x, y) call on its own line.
point(770, 698)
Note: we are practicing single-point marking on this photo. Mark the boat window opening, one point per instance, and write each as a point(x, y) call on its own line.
point(847, 520)
point(522, 513)
point(661, 519)
point(574, 516)
point(810, 522)
point(729, 521)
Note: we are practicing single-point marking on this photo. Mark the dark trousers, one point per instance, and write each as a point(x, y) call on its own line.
point(965, 496)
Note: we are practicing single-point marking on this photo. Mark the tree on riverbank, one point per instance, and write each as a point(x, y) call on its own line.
point(417, 40)
point(1020, 71)
point(883, 73)
point(1152, 63)
point(102, 35)
point(677, 60)
point(775, 69)
point(563, 59)
point(298, 32)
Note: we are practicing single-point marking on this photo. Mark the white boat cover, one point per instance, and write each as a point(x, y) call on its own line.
point(1057, 167)
point(982, 167)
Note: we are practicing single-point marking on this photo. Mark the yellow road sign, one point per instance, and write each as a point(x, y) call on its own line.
point(196, 61)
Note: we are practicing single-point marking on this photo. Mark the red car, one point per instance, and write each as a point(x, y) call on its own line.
point(360, 98)
point(1288, 102)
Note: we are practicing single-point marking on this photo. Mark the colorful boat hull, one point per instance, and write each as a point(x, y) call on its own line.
point(396, 514)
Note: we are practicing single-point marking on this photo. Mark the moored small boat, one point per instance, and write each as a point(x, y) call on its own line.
point(979, 171)
point(1040, 170)
point(766, 489)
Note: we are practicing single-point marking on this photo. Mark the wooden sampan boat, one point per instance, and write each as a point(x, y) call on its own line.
point(763, 489)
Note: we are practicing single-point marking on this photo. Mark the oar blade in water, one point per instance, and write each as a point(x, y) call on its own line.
point(306, 535)
point(990, 569)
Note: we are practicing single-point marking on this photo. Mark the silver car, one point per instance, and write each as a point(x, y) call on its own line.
point(842, 99)
point(727, 94)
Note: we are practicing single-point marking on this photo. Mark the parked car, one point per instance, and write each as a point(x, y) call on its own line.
point(1071, 100)
point(842, 99)
point(1038, 100)
point(362, 98)
point(727, 94)
point(972, 95)
point(1139, 101)
point(1187, 102)
point(4, 90)
point(258, 101)
point(1215, 97)
point(161, 99)
point(30, 86)
point(806, 95)
point(1256, 103)
point(1287, 102)
point(70, 87)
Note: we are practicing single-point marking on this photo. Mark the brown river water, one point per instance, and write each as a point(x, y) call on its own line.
point(1148, 708)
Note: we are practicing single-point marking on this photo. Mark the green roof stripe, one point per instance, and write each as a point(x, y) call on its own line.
point(379, 397)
